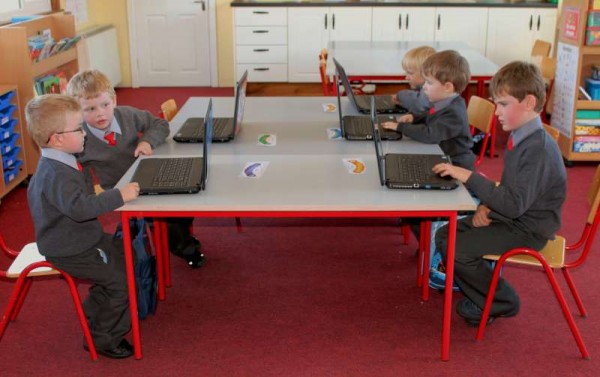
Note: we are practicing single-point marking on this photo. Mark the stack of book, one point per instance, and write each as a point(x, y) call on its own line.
point(587, 131)
point(42, 45)
point(55, 82)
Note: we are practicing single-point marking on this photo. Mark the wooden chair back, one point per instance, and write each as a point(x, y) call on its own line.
point(541, 48)
point(480, 113)
point(169, 109)
point(594, 196)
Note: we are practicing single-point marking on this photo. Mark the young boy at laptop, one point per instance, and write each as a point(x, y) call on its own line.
point(446, 75)
point(414, 99)
point(117, 136)
point(524, 210)
point(67, 230)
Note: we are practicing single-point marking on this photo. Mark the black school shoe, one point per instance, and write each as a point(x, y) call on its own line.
point(196, 259)
point(122, 351)
point(472, 313)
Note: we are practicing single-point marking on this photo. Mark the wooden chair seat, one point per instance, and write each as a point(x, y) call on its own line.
point(28, 255)
point(553, 253)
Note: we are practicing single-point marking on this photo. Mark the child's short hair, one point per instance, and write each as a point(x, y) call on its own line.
point(414, 58)
point(90, 84)
point(448, 66)
point(519, 79)
point(47, 115)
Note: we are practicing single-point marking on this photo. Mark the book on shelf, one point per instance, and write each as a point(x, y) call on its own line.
point(42, 45)
point(55, 82)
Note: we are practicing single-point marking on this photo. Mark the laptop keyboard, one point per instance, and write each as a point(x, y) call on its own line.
point(219, 126)
point(413, 168)
point(363, 126)
point(173, 172)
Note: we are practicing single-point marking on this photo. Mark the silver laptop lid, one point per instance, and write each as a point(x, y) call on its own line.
point(339, 99)
point(341, 72)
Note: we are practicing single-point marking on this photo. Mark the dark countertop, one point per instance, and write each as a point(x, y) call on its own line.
point(393, 3)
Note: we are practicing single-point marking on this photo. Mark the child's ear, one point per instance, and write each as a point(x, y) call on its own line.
point(449, 87)
point(530, 102)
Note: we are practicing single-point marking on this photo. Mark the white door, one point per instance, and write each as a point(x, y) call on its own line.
point(468, 25)
point(172, 42)
point(509, 35)
point(350, 24)
point(308, 34)
point(545, 25)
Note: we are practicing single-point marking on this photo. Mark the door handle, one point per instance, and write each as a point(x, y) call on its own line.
point(260, 12)
point(333, 21)
point(406, 26)
point(439, 21)
point(201, 2)
point(261, 69)
point(538, 23)
point(530, 21)
point(261, 50)
point(399, 21)
point(325, 21)
point(260, 31)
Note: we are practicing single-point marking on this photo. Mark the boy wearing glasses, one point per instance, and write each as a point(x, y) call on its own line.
point(117, 136)
point(67, 230)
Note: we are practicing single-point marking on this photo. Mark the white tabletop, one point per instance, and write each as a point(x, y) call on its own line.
point(385, 58)
point(305, 172)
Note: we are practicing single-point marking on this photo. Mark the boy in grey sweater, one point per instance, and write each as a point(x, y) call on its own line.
point(67, 230)
point(118, 135)
point(524, 209)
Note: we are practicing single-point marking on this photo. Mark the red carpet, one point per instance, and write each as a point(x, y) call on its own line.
point(318, 297)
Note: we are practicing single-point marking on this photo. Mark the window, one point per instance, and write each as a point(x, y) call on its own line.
point(11, 8)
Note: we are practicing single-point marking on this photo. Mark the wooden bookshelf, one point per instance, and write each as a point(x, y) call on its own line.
point(575, 60)
point(18, 68)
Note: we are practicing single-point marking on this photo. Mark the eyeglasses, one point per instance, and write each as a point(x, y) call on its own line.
point(80, 129)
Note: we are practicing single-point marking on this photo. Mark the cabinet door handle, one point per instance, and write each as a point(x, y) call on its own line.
point(399, 21)
point(261, 50)
point(325, 21)
point(538, 24)
point(530, 21)
point(333, 21)
point(261, 69)
point(406, 26)
point(260, 31)
point(439, 21)
point(201, 2)
point(260, 12)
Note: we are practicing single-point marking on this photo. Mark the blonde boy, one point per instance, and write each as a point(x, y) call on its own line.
point(524, 210)
point(65, 213)
point(414, 99)
point(118, 135)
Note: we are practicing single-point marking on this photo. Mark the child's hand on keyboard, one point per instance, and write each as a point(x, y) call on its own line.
point(390, 125)
point(406, 118)
point(143, 148)
point(130, 191)
point(449, 170)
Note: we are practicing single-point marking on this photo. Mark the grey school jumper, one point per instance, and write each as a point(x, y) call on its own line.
point(111, 162)
point(447, 126)
point(525, 212)
point(413, 100)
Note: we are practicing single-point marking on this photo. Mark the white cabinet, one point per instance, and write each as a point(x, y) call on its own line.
point(311, 28)
point(403, 23)
point(468, 25)
point(512, 31)
point(261, 44)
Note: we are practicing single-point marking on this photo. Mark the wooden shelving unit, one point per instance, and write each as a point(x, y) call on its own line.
point(18, 68)
point(12, 160)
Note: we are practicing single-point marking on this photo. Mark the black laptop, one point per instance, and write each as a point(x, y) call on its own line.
point(176, 175)
point(384, 103)
point(224, 129)
point(358, 127)
point(408, 171)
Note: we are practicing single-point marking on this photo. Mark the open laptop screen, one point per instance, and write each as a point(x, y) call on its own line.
point(378, 145)
point(240, 98)
point(206, 145)
point(341, 75)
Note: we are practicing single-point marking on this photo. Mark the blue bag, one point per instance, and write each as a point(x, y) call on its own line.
point(145, 267)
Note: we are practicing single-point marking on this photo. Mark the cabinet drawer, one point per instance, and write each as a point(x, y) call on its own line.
point(261, 54)
point(261, 35)
point(261, 16)
point(263, 72)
